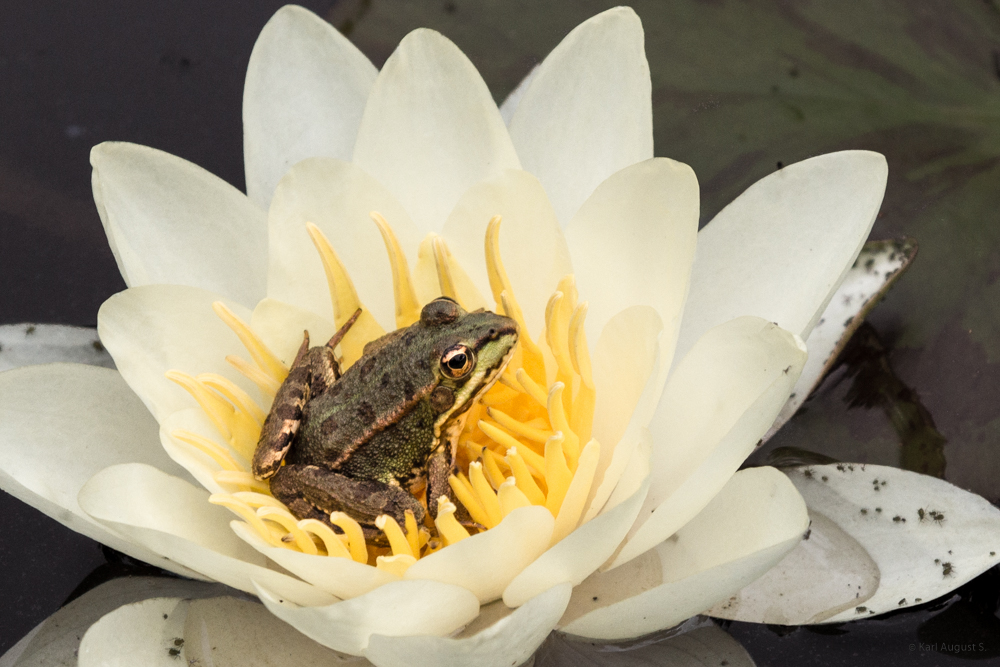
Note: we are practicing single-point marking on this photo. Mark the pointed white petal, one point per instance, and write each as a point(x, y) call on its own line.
point(574, 557)
point(510, 103)
point(153, 329)
point(337, 197)
point(396, 609)
point(532, 246)
point(633, 241)
point(781, 249)
point(917, 559)
point(431, 129)
point(280, 326)
point(748, 527)
point(305, 91)
point(172, 222)
point(486, 563)
point(587, 111)
point(31, 344)
point(61, 424)
point(227, 632)
point(717, 404)
point(509, 641)
point(173, 518)
point(141, 633)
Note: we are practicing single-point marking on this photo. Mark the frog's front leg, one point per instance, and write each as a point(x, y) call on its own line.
point(314, 492)
point(285, 417)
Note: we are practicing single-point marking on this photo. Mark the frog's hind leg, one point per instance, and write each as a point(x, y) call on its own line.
point(439, 469)
point(312, 492)
point(285, 417)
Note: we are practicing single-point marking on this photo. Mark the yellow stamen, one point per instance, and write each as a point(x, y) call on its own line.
point(448, 527)
point(397, 540)
point(246, 513)
point(485, 493)
point(331, 541)
point(234, 395)
point(407, 306)
point(532, 388)
point(238, 429)
point(256, 500)
point(209, 448)
point(355, 536)
point(498, 435)
point(413, 535)
point(468, 498)
point(557, 416)
point(576, 495)
point(267, 384)
point(525, 481)
point(445, 281)
point(345, 300)
point(397, 564)
point(519, 428)
point(582, 417)
point(243, 480)
point(493, 473)
point(511, 497)
point(284, 518)
point(259, 352)
point(557, 473)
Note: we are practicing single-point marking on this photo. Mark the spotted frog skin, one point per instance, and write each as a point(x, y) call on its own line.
point(360, 442)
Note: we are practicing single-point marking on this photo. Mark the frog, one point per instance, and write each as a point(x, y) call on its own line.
point(364, 441)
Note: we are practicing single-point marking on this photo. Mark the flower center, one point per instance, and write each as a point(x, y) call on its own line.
point(527, 441)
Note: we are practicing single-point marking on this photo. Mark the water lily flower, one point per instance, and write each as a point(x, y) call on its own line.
point(645, 372)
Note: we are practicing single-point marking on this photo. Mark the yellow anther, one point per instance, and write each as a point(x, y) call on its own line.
point(259, 352)
point(397, 540)
point(492, 468)
point(284, 518)
point(407, 306)
point(448, 527)
point(267, 384)
point(498, 395)
point(508, 380)
point(332, 542)
point(355, 535)
point(498, 435)
point(397, 564)
point(212, 449)
point(525, 481)
point(557, 417)
point(256, 500)
point(579, 353)
point(511, 497)
point(567, 285)
point(245, 512)
point(238, 429)
point(234, 395)
point(445, 282)
point(241, 479)
point(485, 493)
point(576, 495)
point(557, 473)
point(519, 428)
point(413, 534)
point(345, 301)
point(531, 388)
point(468, 498)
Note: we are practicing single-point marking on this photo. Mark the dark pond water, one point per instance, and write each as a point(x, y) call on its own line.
point(739, 88)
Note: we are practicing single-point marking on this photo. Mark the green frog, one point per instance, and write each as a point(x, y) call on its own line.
point(363, 442)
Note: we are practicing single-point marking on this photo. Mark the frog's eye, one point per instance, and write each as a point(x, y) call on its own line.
point(458, 362)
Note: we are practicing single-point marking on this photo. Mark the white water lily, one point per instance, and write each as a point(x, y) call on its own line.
point(689, 360)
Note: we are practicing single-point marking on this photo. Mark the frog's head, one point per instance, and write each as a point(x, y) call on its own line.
point(470, 350)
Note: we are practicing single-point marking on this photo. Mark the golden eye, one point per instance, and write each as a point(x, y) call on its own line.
point(458, 362)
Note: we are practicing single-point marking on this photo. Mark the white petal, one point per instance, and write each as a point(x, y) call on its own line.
point(226, 632)
point(153, 329)
point(61, 424)
point(532, 246)
point(431, 129)
point(509, 641)
point(918, 560)
point(305, 91)
point(587, 111)
point(826, 573)
point(397, 609)
point(633, 241)
point(717, 404)
point(199, 465)
point(175, 519)
point(141, 633)
point(280, 326)
point(341, 577)
point(781, 249)
point(749, 526)
point(337, 197)
point(30, 344)
point(513, 99)
point(486, 563)
point(876, 269)
point(581, 552)
point(172, 222)
point(56, 640)
point(704, 646)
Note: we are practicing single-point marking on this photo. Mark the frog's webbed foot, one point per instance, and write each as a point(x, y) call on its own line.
point(283, 420)
point(312, 492)
point(439, 469)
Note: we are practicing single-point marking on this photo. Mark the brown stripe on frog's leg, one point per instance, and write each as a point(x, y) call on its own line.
point(439, 469)
point(282, 422)
point(303, 488)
